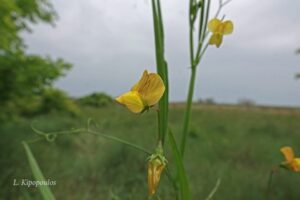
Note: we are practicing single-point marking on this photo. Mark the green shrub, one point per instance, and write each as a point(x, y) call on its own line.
point(55, 100)
point(95, 100)
point(27, 107)
point(49, 100)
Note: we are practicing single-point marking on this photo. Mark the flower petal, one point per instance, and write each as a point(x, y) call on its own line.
point(213, 25)
point(132, 101)
point(155, 168)
point(216, 39)
point(288, 153)
point(296, 164)
point(141, 83)
point(152, 90)
point(151, 180)
point(227, 27)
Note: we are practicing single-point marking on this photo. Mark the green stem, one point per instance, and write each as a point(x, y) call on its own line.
point(191, 24)
point(33, 140)
point(201, 21)
point(189, 102)
point(198, 58)
point(191, 84)
point(194, 61)
point(269, 184)
point(161, 66)
point(120, 141)
point(82, 130)
point(188, 110)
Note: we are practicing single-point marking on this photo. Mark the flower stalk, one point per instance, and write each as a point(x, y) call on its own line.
point(200, 9)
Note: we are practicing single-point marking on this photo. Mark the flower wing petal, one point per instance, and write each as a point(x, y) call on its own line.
point(288, 153)
point(132, 101)
point(213, 25)
point(227, 27)
point(153, 90)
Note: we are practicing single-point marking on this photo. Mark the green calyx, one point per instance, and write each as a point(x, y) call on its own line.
point(158, 156)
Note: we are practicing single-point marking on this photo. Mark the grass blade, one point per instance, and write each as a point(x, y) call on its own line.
point(184, 187)
point(38, 175)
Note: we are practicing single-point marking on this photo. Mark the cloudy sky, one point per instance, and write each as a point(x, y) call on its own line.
point(110, 43)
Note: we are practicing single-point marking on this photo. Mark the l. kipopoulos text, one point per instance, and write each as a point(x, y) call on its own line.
point(31, 183)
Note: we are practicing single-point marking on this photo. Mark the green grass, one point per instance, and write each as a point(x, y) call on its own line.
point(237, 144)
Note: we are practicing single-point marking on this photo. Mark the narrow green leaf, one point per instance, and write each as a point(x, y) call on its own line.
point(184, 187)
point(161, 66)
point(38, 175)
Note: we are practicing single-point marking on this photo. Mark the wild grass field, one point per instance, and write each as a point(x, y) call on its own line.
point(237, 144)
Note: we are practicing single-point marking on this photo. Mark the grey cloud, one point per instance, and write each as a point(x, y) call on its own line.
point(110, 43)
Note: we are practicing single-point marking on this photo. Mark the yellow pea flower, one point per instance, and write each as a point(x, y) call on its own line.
point(290, 162)
point(156, 165)
point(218, 29)
point(144, 94)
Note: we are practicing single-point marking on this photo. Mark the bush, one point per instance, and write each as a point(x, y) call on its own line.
point(49, 100)
point(27, 107)
point(95, 100)
point(55, 100)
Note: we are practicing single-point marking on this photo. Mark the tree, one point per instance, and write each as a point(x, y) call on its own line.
point(24, 76)
point(16, 15)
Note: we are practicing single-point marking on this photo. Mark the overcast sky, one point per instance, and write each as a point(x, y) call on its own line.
point(110, 43)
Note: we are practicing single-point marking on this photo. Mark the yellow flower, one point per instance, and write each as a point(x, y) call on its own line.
point(218, 29)
point(156, 165)
point(291, 162)
point(144, 93)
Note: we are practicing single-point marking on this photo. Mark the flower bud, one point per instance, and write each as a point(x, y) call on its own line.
point(156, 165)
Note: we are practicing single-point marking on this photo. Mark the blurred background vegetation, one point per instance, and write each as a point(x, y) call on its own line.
point(238, 144)
point(24, 78)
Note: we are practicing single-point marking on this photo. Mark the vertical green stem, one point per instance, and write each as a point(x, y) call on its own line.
point(188, 109)
point(191, 84)
point(194, 60)
point(269, 184)
point(161, 66)
point(191, 36)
